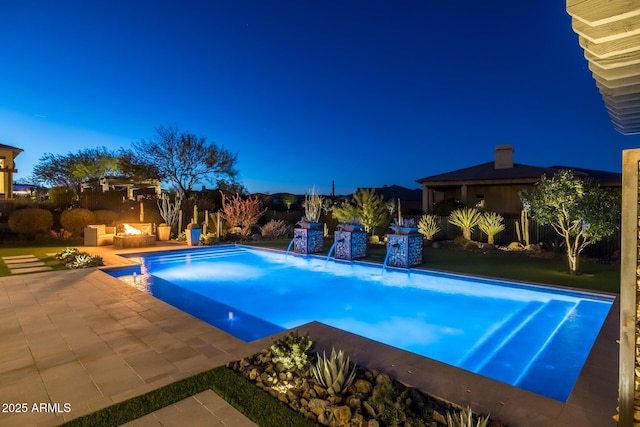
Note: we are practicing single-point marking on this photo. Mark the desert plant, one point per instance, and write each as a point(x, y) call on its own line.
point(30, 222)
point(522, 228)
point(292, 352)
point(396, 405)
point(169, 210)
point(465, 419)
point(466, 219)
point(76, 219)
point(399, 223)
point(243, 213)
point(428, 226)
point(491, 224)
point(274, 230)
point(312, 204)
point(73, 258)
point(334, 374)
point(368, 207)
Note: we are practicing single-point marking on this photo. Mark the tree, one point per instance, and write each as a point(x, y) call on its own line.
point(368, 207)
point(184, 159)
point(491, 223)
point(577, 209)
point(72, 169)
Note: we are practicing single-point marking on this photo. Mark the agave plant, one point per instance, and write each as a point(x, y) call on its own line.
point(491, 224)
point(428, 226)
point(465, 419)
point(466, 219)
point(334, 374)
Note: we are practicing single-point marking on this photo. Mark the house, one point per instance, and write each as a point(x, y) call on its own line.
point(495, 185)
point(7, 169)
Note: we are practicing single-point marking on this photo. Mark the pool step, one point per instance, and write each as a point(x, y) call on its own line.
point(551, 366)
point(481, 353)
point(512, 357)
point(199, 254)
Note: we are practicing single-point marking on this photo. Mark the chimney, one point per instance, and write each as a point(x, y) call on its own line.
point(503, 156)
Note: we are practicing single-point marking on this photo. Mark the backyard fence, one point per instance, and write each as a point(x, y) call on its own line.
point(537, 234)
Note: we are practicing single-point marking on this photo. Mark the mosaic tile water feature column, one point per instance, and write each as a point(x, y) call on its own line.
point(405, 250)
point(350, 244)
point(308, 241)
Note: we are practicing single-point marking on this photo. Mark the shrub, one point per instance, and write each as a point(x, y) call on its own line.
point(466, 219)
point(73, 258)
point(30, 222)
point(106, 217)
point(460, 241)
point(274, 230)
point(243, 213)
point(292, 351)
point(76, 219)
point(428, 226)
point(491, 224)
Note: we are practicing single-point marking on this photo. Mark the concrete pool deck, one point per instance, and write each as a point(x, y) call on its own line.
point(88, 340)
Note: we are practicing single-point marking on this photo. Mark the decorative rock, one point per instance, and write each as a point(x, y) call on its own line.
point(354, 403)
point(374, 423)
point(435, 245)
point(340, 416)
point(362, 386)
point(323, 419)
point(253, 374)
point(515, 246)
point(282, 397)
point(320, 391)
point(368, 409)
point(318, 406)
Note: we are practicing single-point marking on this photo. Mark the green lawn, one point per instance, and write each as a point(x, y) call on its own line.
point(39, 249)
point(501, 265)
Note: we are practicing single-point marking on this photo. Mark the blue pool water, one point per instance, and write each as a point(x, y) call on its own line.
point(532, 337)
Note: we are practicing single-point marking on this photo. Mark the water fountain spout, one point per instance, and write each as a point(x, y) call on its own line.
point(390, 249)
point(291, 244)
point(333, 246)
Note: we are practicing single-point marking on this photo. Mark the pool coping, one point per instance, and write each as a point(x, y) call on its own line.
point(592, 401)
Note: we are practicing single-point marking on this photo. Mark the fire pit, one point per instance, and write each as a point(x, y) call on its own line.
point(133, 235)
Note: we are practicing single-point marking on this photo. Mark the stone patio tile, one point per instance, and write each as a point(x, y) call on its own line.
point(30, 269)
point(34, 262)
point(69, 382)
point(149, 365)
point(17, 257)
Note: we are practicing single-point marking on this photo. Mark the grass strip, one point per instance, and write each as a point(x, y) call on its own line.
point(254, 403)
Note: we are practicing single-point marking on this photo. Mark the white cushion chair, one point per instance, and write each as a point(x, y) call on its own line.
point(98, 235)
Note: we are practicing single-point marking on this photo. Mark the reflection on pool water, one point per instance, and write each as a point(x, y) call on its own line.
point(533, 337)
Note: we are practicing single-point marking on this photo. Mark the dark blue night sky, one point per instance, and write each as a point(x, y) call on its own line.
point(364, 93)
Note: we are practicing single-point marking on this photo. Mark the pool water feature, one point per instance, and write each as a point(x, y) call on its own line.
point(533, 337)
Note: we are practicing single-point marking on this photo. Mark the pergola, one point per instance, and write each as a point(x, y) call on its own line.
point(609, 33)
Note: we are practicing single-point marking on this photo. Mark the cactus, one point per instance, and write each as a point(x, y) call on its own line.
point(465, 419)
point(334, 374)
point(522, 228)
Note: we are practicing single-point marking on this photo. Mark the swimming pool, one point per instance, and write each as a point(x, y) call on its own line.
point(533, 337)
